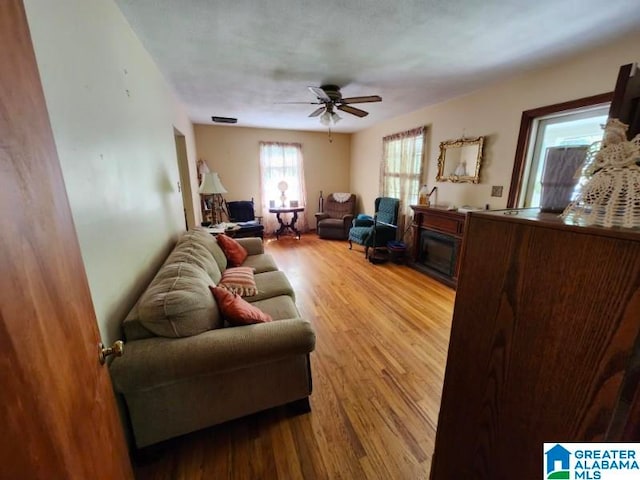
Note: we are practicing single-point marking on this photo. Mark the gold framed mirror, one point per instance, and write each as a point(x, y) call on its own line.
point(460, 160)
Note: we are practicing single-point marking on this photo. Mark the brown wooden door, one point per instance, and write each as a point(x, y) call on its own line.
point(59, 418)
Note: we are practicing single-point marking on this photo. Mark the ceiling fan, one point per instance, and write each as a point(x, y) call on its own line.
point(330, 97)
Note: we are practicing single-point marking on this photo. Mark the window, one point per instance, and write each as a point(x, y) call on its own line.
point(401, 169)
point(575, 132)
point(568, 124)
point(282, 162)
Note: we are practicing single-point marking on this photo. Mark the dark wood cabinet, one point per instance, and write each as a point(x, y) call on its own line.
point(437, 238)
point(544, 344)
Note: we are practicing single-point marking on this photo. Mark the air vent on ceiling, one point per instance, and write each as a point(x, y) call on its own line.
point(224, 120)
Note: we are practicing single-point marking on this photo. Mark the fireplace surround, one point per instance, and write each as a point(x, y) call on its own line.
point(437, 238)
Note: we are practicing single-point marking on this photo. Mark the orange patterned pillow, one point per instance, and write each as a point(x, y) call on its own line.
point(239, 280)
point(235, 253)
point(236, 310)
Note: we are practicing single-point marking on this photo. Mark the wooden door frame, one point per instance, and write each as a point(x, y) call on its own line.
point(524, 137)
point(625, 105)
point(183, 173)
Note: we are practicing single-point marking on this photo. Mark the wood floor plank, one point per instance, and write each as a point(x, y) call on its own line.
point(287, 464)
point(382, 338)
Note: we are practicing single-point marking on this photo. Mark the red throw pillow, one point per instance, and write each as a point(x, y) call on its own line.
point(236, 310)
point(235, 253)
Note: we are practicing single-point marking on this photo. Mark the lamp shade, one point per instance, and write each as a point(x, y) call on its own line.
point(325, 118)
point(211, 184)
point(329, 117)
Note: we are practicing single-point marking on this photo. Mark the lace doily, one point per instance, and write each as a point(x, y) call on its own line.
point(341, 197)
point(611, 197)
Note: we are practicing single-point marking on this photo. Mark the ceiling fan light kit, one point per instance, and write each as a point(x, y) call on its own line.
point(328, 118)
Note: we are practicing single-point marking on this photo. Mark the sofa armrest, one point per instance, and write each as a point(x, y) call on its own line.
point(253, 245)
point(321, 216)
point(155, 361)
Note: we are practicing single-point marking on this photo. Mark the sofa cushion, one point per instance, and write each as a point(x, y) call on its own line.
point(200, 236)
point(236, 310)
point(219, 257)
point(203, 237)
point(271, 284)
point(190, 251)
point(239, 280)
point(252, 245)
point(178, 302)
point(280, 308)
point(235, 253)
point(262, 262)
point(132, 329)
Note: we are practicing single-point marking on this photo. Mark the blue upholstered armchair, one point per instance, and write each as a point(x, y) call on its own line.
point(377, 231)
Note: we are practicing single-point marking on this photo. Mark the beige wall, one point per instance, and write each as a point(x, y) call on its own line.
point(113, 120)
point(495, 112)
point(234, 153)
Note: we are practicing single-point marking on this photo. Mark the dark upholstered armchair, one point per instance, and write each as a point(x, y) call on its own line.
point(336, 219)
point(243, 213)
point(377, 231)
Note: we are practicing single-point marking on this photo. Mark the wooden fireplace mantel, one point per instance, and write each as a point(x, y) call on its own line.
point(446, 223)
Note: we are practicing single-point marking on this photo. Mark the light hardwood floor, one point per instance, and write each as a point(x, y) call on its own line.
point(382, 336)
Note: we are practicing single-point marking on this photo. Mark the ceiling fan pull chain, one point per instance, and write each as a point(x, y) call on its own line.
point(330, 137)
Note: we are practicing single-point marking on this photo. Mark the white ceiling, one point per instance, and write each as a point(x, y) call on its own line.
point(239, 58)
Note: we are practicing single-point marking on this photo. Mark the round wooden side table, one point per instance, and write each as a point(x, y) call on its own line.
point(287, 226)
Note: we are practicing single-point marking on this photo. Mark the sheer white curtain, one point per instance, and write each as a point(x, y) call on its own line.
point(278, 162)
point(401, 170)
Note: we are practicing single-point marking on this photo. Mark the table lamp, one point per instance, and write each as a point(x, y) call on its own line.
point(211, 185)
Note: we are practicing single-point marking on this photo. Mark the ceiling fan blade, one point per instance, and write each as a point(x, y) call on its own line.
point(320, 93)
point(298, 103)
point(353, 110)
point(317, 112)
point(368, 99)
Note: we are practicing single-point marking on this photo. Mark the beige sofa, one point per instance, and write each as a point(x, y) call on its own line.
point(184, 369)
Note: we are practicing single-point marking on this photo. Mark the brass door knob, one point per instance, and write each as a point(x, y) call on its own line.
point(116, 349)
